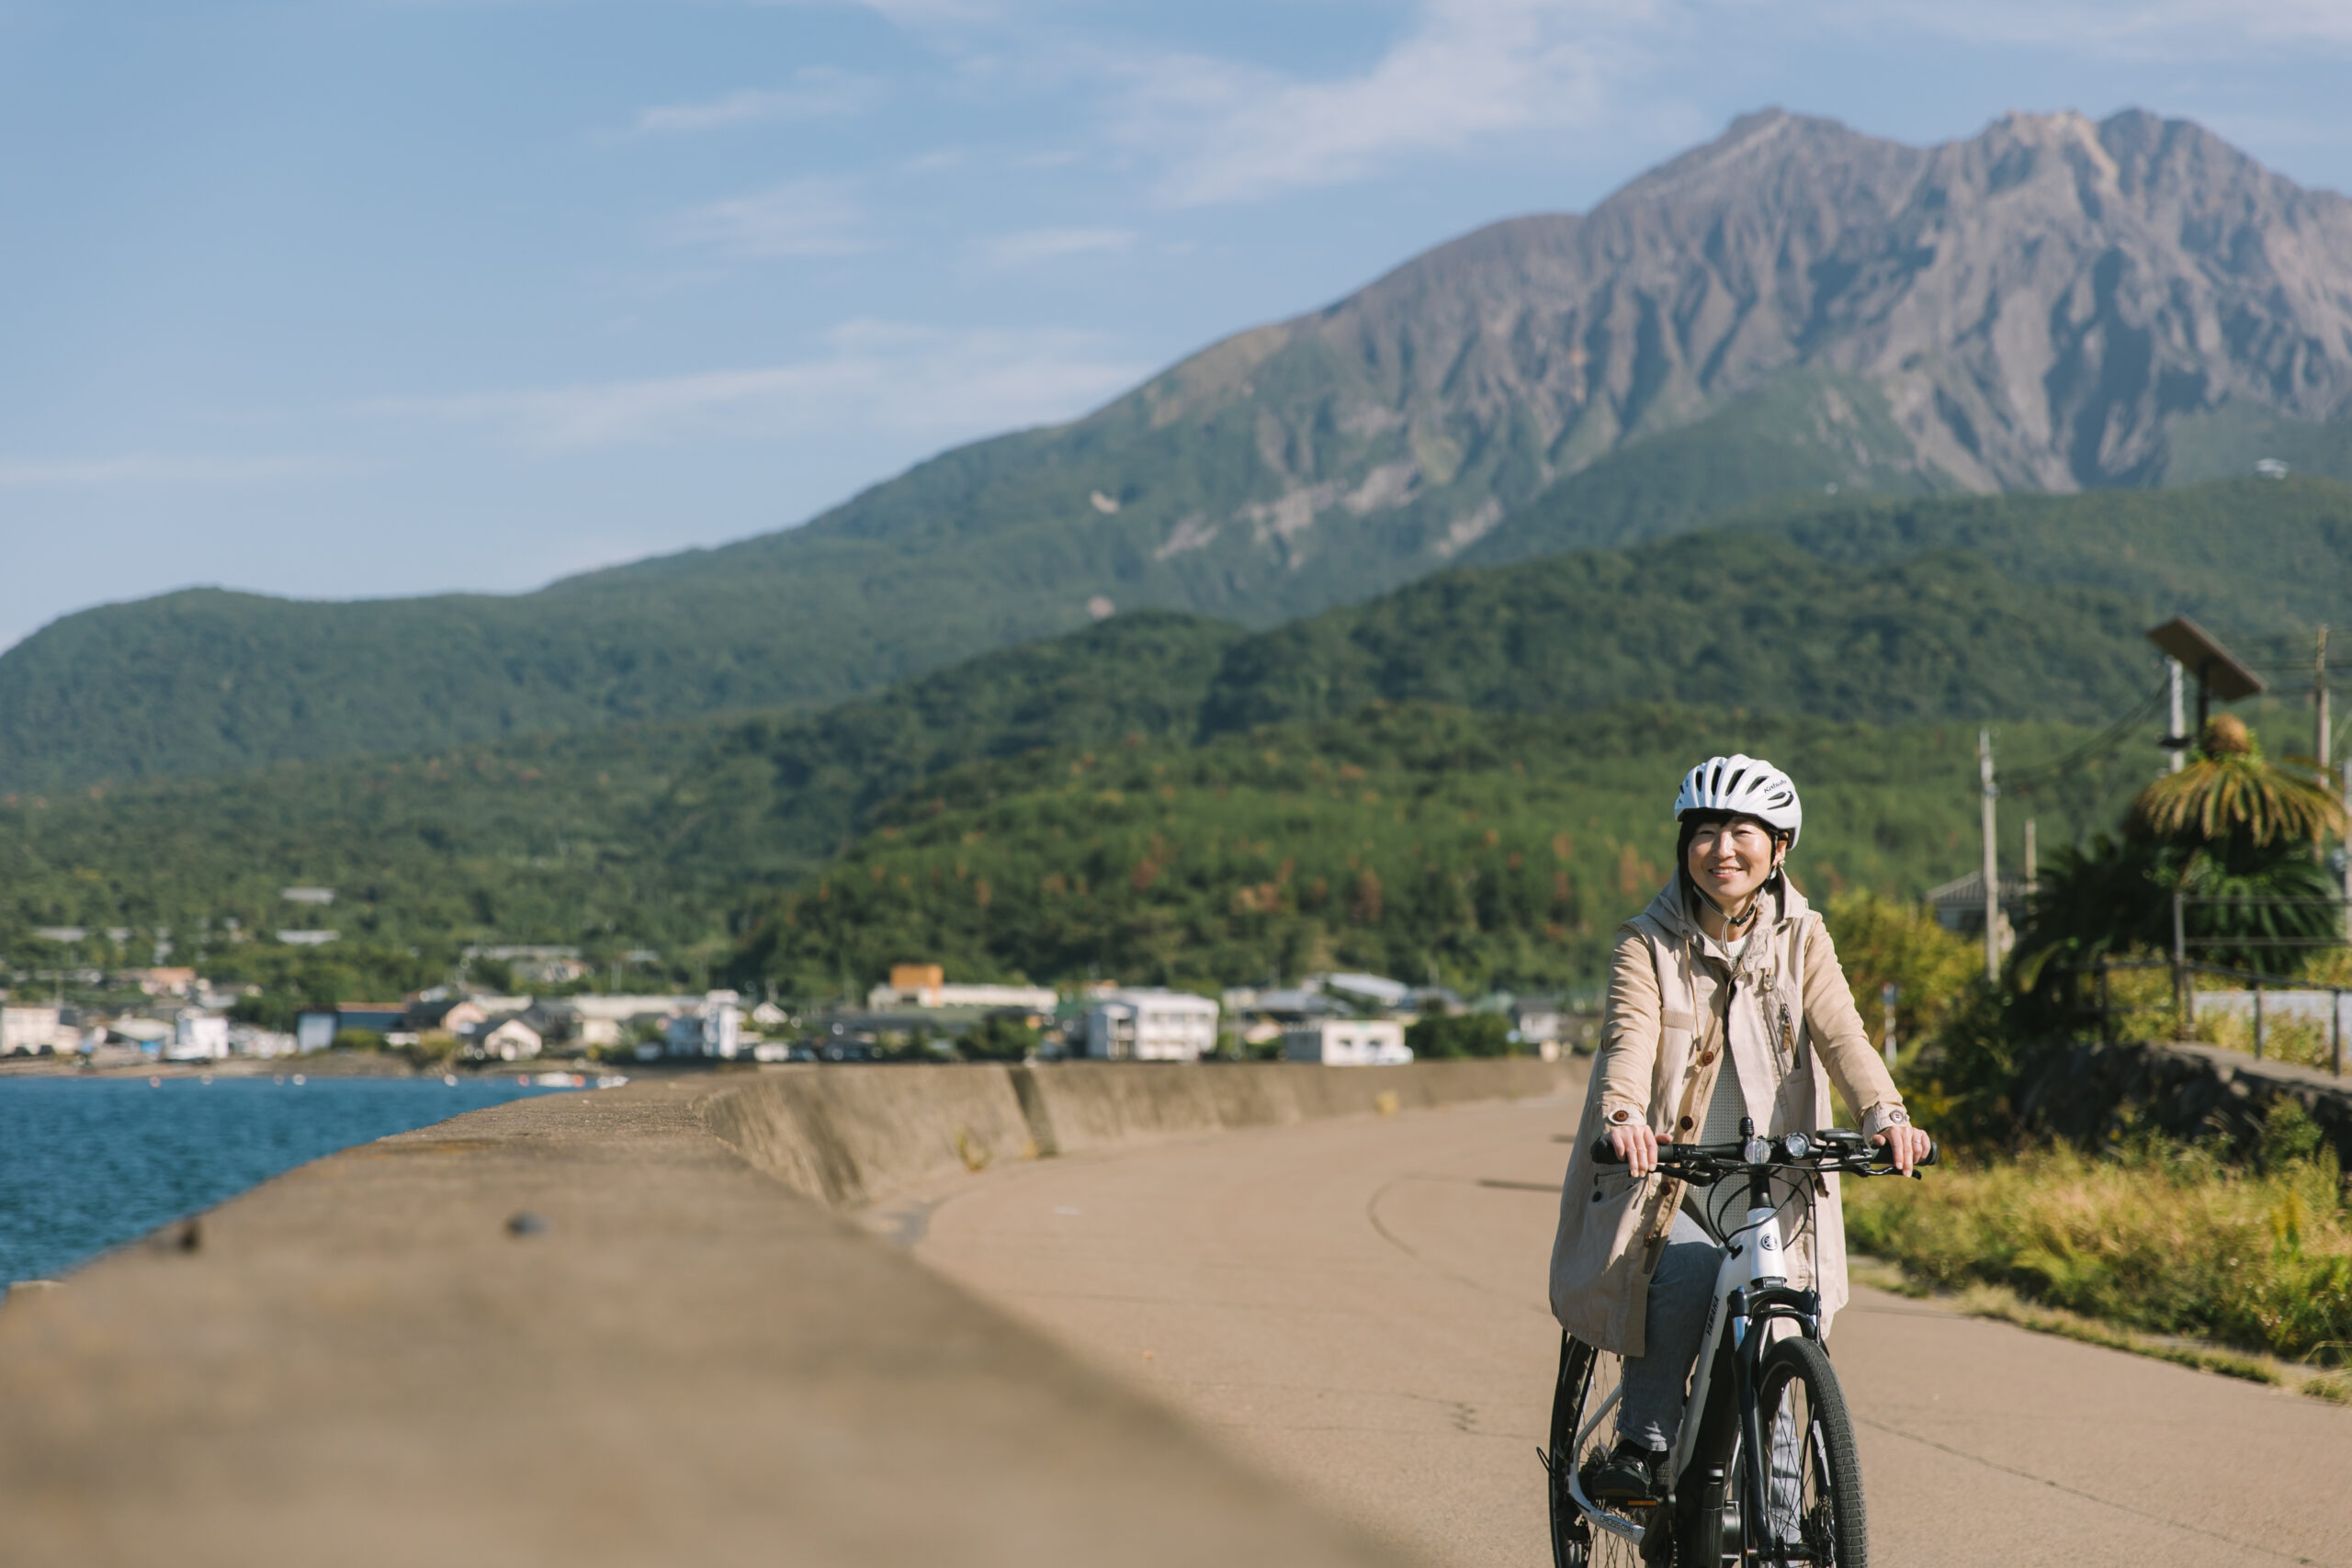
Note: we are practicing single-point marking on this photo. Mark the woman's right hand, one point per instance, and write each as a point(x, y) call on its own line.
point(1635, 1144)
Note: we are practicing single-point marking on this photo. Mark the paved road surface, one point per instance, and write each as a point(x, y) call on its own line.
point(1358, 1308)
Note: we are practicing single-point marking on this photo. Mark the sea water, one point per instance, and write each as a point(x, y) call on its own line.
point(86, 1164)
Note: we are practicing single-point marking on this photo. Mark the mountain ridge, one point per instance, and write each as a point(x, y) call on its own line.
point(1792, 307)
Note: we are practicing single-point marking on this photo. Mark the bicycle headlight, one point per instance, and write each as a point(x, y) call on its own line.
point(1756, 1151)
point(1797, 1145)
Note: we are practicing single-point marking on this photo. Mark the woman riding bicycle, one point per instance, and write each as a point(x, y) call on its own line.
point(1725, 1001)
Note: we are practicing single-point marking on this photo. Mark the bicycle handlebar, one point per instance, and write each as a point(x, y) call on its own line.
point(1832, 1148)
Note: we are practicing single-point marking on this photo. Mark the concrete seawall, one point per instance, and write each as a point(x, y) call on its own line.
point(623, 1327)
point(856, 1134)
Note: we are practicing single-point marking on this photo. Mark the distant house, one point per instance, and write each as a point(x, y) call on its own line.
point(505, 1038)
point(713, 1028)
point(1960, 904)
point(249, 1040)
point(162, 982)
point(1348, 1043)
point(1150, 1026)
point(375, 1017)
point(537, 965)
point(595, 1020)
point(925, 986)
point(458, 1015)
point(197, 1036)
point(28, 1031)
point(308, 938)
point(1537, 1019)
point(1371, 991)
point(314, 1029)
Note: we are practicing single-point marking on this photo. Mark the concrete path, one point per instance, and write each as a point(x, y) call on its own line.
point(1357, 1307)
point(580, 1332)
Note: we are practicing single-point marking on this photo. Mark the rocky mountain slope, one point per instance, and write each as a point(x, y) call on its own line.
point(2051, 305)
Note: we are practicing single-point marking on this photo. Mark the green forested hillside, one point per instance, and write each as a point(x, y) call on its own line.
point(655, 835)
point(1413, 841)
point(2250, 559)
point(1744, 620)
point(620, 837)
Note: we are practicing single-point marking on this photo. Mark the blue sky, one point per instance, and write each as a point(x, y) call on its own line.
point(355, 298)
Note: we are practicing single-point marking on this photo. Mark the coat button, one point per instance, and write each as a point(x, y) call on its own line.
point(1706, 1059)
point(1686, 1124)
point(1595, 1194)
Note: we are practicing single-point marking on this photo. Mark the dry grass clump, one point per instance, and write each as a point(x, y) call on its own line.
point(2162, 1238)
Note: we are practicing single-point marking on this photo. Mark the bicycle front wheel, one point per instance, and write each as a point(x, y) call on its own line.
point(1586, 1390)
point(1813, 1490)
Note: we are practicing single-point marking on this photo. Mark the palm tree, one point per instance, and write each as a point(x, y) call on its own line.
point(2230, 831)
point(2229, 792)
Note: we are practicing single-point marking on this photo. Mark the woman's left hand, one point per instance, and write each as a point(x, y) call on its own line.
point(1907, 1144)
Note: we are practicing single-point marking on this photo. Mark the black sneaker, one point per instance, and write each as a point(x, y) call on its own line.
point(1628, 1474)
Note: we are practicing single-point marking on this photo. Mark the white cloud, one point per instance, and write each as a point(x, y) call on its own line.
point(816, 92)
point(1466, 70)
point(817, 216)
point(1030, 246)
point(149, 469)
point(1465, 73)
point(941, 386)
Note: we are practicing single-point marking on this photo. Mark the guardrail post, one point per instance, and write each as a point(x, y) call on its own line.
point(2257, 1021)
point(2183, 984)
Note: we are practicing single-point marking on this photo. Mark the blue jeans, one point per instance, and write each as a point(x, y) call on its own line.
point(1657, 1384)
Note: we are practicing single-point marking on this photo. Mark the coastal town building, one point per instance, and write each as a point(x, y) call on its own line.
point(504, 1038)
point(925, 986)
point(1150, 1026)
point(1348, 1043)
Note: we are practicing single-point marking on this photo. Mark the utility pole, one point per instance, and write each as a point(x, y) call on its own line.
point(2319, 704)
point(2177, 740)
point(1992, 868)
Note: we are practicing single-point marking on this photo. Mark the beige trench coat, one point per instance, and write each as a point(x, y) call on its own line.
point(1791, 1027)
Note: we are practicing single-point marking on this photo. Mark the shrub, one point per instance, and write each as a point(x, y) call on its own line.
point(1463, 1035)
point(2155, 1236)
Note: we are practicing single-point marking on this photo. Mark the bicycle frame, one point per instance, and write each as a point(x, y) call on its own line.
point(1756, 1306)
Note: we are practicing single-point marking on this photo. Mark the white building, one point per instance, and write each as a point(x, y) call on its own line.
point(197, 1036)
point(1348, 1043)
point(924, 985)
point(30, 1031)
point(250, 1040)
point(1150, 1026)
point(507, 1038)
point(714, 1028)
point(1376, 989)
point(602, 1020)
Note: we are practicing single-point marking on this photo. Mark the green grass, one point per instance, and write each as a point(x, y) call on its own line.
point(2154, 1240)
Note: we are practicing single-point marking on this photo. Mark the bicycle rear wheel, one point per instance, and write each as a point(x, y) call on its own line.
point(1588, 1381)
point(1814, 1477)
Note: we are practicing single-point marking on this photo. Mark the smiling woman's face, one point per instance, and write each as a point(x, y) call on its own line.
point(1730, 860)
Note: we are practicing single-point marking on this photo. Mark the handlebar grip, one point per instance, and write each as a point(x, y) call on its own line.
point(1605, 1153)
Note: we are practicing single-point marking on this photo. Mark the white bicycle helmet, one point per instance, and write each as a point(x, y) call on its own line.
point(1746, 785)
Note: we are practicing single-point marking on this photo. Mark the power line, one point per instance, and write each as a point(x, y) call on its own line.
point(2098, 748)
